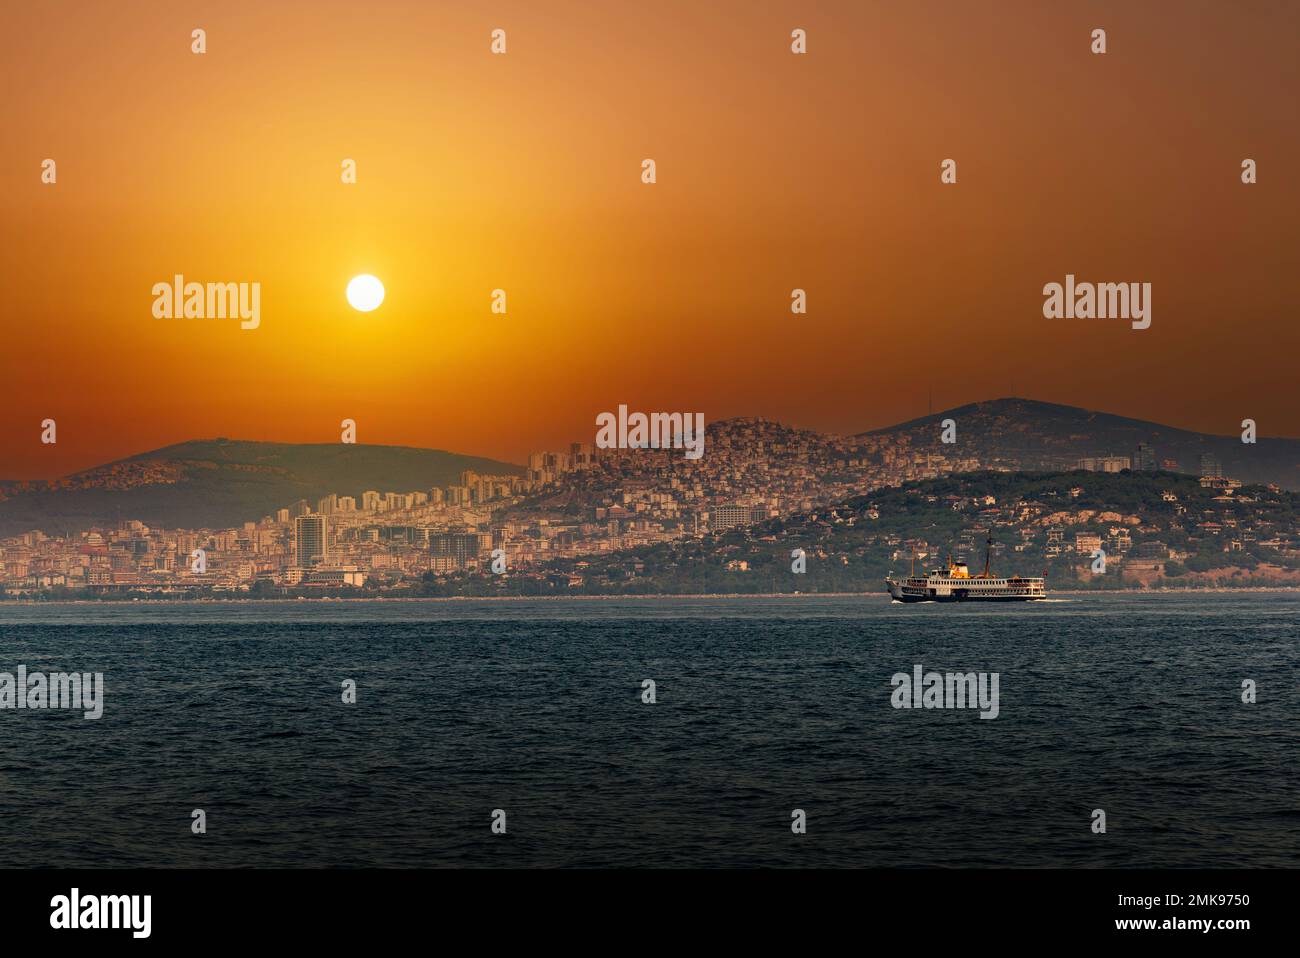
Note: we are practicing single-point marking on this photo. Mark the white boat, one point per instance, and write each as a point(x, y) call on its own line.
point(956, 584)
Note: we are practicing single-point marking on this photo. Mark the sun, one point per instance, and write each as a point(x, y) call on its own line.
point(365, 292)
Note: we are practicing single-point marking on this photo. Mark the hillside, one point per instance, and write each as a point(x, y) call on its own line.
point(1200, 536)
point(221, 483)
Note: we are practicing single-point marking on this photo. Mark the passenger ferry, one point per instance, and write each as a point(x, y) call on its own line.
point(956, 584)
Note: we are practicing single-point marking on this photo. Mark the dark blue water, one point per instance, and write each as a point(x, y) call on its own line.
point(1131, 704)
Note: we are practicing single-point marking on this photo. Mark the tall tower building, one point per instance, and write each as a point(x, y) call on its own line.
point(309, 547)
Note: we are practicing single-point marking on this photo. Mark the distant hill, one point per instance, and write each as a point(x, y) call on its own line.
point(221, 483)
point(1025, 434)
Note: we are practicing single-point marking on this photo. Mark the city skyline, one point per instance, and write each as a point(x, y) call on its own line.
point(583, 518)
point(395, 544)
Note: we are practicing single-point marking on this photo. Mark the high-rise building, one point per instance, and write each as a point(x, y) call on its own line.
point(580, 454)
point(309, 546)
point(1104, 463)
point(1145, 458)
point(457, 547)
point(1210, 465)
point(730, 516)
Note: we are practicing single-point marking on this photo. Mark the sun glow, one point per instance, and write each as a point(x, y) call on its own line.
point(365, 292)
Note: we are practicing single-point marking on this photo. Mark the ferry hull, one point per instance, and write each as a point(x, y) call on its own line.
point(922, 592)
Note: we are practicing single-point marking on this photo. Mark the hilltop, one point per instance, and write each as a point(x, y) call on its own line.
point(1024, 434)
point(759, 463)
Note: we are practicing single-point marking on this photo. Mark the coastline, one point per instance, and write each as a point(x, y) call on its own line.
point(607, 598)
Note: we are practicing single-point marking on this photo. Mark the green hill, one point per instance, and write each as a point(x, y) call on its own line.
point(1198, 536)
point(221, 483)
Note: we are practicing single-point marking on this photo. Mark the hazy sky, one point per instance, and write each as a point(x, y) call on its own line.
point(522, 172)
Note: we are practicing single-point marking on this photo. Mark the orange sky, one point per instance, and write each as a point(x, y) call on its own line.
point(522, 172)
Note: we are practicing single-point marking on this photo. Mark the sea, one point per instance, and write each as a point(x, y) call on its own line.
point(519, 734)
